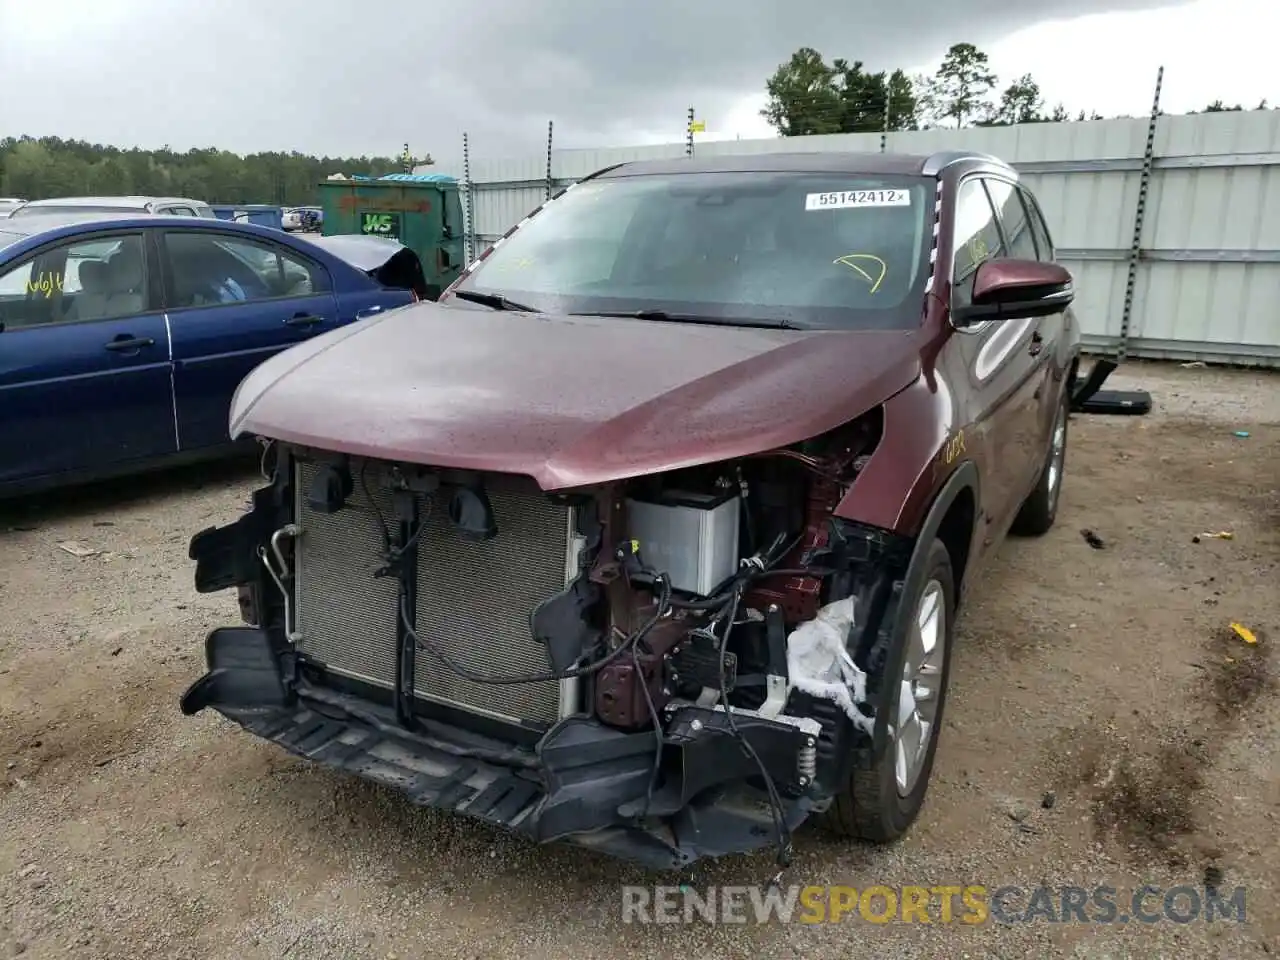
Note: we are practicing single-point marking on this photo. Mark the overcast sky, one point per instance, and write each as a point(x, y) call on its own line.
point(341, 78)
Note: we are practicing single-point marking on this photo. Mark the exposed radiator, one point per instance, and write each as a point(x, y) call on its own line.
point(474, 598)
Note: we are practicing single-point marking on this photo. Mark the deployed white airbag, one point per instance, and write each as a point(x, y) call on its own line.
point(818, 663)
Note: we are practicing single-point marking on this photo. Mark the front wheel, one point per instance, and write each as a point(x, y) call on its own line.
point(1041, 508)
point(880, 804)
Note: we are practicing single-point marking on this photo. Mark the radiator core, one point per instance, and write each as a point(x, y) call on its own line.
point(474, 598)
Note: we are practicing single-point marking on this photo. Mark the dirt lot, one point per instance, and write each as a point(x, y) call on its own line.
point(1107, 677)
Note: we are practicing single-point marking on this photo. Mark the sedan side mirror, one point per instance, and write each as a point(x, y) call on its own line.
point(1009, 289)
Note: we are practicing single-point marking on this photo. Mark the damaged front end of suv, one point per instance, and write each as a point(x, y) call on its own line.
point(660, 668)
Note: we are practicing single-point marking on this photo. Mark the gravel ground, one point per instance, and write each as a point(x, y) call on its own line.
point(1105, 677)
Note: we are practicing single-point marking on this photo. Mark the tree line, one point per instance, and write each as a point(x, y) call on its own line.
point(809, 96)
point(36, 168)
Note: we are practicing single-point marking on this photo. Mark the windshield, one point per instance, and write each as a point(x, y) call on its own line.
point(813, 250)
point(7, 238)
point(35, 211)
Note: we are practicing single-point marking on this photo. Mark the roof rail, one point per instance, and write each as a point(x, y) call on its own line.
point(944, 158)
point(602, 171)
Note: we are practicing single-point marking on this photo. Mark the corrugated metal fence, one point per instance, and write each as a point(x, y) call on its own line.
point(1205, 264)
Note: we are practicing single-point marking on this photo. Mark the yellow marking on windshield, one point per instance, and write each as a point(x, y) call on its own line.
point(848, 260)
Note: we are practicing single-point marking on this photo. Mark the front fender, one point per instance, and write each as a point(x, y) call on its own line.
point(895, 488)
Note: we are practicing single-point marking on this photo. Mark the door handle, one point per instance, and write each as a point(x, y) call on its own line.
point(1037, 343)
point(368, 311)
point(126, 342)
point(303, 320)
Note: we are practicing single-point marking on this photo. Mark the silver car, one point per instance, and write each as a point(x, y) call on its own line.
point(170, 206)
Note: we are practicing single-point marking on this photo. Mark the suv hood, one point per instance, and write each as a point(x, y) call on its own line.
point(569, 401)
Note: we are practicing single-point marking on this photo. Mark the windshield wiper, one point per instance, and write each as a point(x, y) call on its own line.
point(494, 300)
point(662, 316)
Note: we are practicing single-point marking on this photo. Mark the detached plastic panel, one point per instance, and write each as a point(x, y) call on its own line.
point(1122, 403)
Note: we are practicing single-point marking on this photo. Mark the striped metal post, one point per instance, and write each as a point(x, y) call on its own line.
point(884, 134)
point(1135, 249)
point(468, 233)
point(551, 125)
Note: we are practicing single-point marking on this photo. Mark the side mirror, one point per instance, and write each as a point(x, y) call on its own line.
point(1009, 289)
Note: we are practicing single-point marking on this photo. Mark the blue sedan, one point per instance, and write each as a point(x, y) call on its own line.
point(123, 338)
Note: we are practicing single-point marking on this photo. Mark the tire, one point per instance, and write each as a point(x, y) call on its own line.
point(873, 805)
point(1039, 510)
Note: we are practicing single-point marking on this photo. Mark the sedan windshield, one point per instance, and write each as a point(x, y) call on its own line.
point(49, 208)
point(798, 249)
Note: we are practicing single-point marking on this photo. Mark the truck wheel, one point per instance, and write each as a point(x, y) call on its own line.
point(1041, 508)
point(879, 804)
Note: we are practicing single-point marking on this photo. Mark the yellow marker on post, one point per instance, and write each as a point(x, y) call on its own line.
point(698, 126)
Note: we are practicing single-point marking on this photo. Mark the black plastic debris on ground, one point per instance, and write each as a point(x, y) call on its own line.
point(1092, 539)
point(1117, 403)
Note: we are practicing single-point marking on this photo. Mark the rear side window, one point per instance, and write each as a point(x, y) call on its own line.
point(98, 279)
point(977, 238)
point(206, 269)
point(1006, 198)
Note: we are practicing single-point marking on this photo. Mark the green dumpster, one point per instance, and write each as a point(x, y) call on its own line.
point(422, 211)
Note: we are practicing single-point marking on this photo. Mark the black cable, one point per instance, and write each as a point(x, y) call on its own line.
point(775, 801)
point(722, 599)
point(468, 674)
point(377, 513)
point(722, 593)
point(391, 554)
point(664, 605)
point(747, 518)
point(659, 739)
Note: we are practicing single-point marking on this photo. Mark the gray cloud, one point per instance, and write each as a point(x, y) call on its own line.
point(320, 76)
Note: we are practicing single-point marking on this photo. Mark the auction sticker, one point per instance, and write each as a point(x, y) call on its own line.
point(846, 199)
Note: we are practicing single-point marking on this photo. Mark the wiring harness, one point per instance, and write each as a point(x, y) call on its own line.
point(721, 605)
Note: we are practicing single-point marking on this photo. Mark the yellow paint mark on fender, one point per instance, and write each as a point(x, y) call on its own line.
point(953, 449)
point(849, 259)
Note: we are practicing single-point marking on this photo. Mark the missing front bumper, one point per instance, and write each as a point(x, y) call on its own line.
point(583, 783)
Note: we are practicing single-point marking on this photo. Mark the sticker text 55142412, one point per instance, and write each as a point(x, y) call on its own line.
point(845, 199)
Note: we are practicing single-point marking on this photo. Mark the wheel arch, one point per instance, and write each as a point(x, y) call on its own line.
point(955, 503)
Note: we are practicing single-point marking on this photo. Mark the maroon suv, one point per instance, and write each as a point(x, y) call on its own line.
point(650, 535)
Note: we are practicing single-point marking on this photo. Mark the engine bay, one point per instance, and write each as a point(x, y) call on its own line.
point(720, 614)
